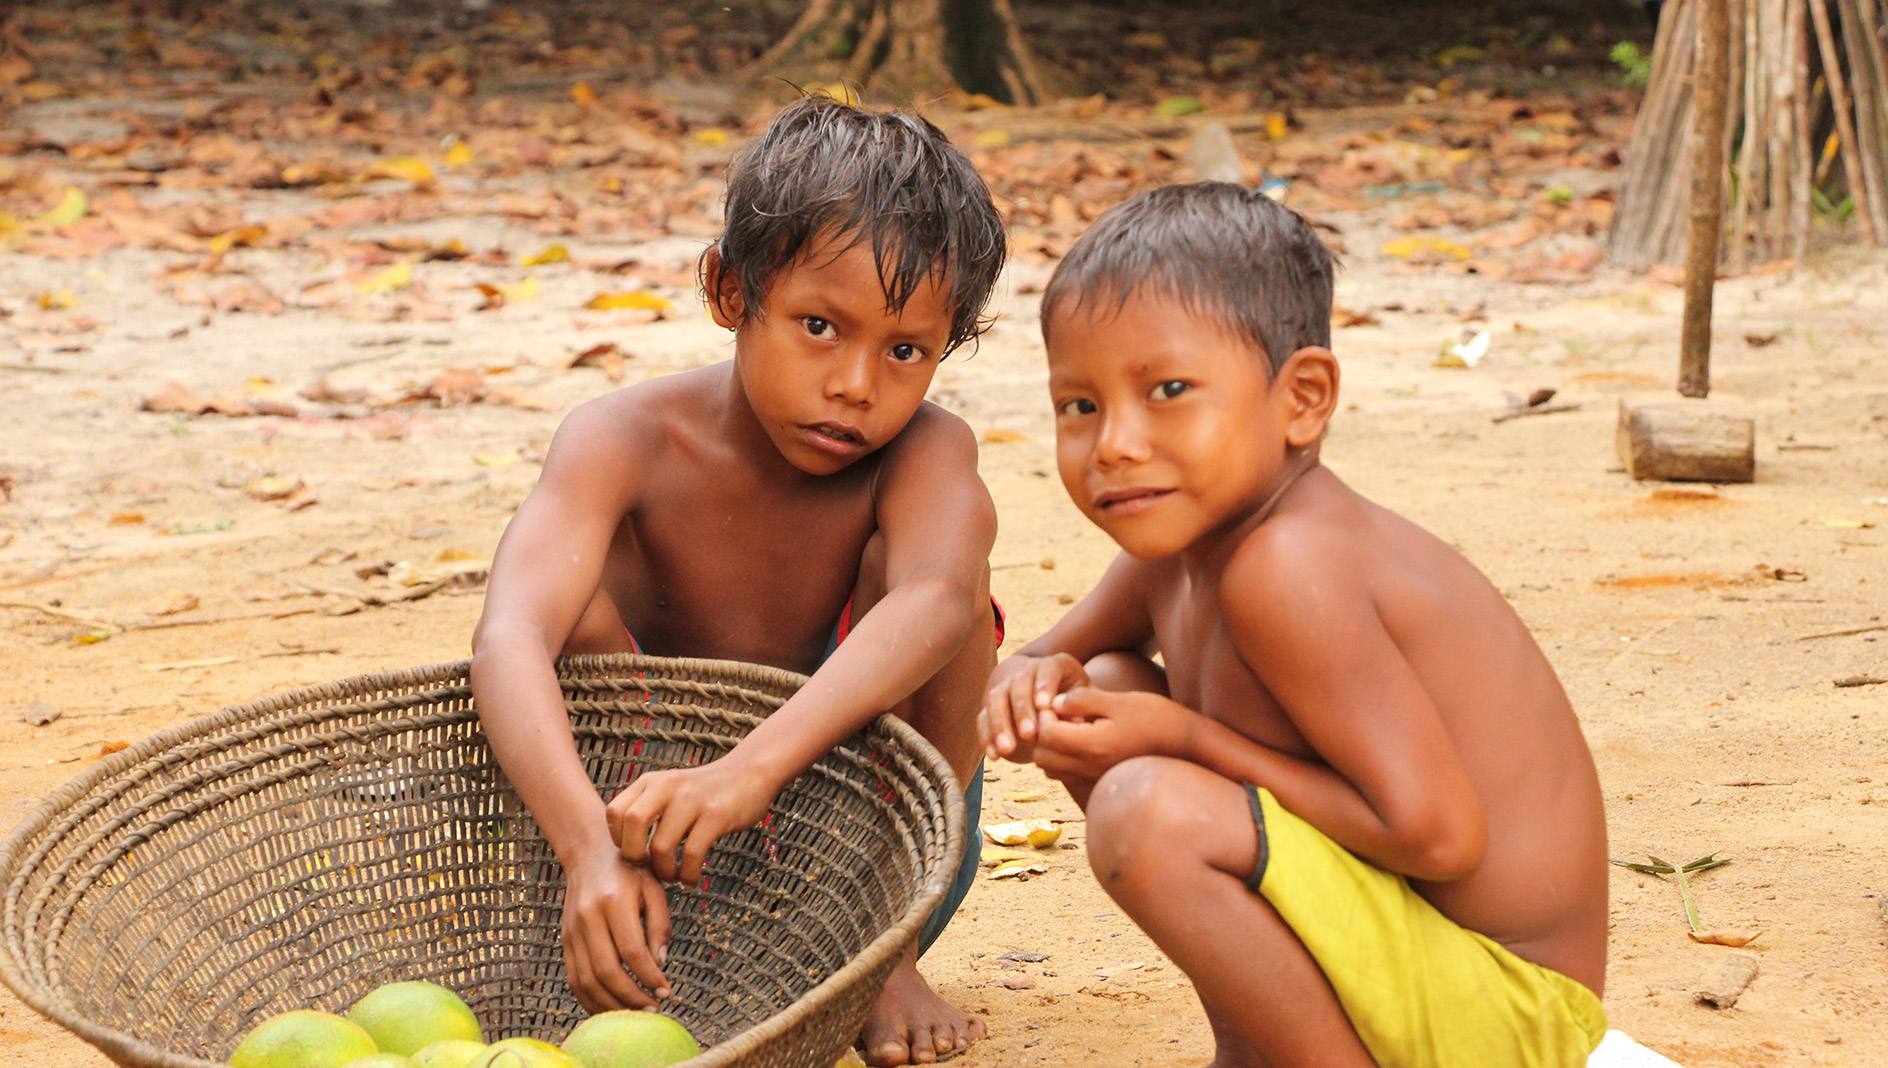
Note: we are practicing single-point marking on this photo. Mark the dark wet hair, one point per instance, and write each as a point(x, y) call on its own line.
point(1221, 250)
point(827, 167)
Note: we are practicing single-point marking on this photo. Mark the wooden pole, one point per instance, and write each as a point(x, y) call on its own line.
point(1707, 197)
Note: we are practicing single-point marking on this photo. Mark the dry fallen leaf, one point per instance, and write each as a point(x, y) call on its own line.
point(638, 299)
point(997, 435)
point(1734, 938)
point(1019, 869)
point(547, 254)
point(172, 603)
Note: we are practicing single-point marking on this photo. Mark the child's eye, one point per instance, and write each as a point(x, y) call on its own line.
point(1078, 406)
point(817, 326)
point(1171, 389)
point(904, 353)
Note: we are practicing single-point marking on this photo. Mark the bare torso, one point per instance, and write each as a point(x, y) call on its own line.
point(1541, 889)
point(724, 559)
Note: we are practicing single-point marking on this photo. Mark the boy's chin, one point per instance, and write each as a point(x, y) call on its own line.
point(1141, 543)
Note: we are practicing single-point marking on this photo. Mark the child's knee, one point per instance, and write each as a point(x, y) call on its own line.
point(1141, 816)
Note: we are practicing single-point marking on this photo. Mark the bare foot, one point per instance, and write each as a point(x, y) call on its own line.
point(910, 1024)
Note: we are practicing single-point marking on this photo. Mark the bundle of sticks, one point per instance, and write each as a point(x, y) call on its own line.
point(1805, 136)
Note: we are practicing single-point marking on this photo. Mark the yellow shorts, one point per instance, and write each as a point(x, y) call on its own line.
point(1422, 991)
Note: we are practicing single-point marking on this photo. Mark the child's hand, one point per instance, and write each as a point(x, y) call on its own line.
point(1020, 690)
point(1086, 731)
point(615, 914)
point(687, 809)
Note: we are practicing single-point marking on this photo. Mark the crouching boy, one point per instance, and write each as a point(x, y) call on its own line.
point(800, 505)
point(1352, 802)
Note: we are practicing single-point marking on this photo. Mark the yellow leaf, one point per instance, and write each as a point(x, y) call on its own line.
point(996, 435)
point(91, 637)
point(396, 277)
point(641, 298)
point(1831, 147)
point(1404, 248)
point(713, 135)
point(1275, 125)
point(1011, 869)
point(495, 459)
point(583, 94)
point(547, 254)
point(525, 290)
point(1847, 524)
point(12, 234)
point(59, 301)
point(406, 168)
point(247, 235)
point(459, 155)
point(70, 209)
point(991, 138)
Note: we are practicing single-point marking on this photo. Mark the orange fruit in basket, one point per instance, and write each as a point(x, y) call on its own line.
point(524, 1053)
point(448, 1053)
point(302, 1038)
point(630, 1038)
point(406, 1017)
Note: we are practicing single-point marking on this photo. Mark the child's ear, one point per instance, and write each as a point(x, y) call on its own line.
point(1309, 379)
point(722, 289)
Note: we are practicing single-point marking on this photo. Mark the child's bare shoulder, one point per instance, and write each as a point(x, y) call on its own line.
point(626, 426)
point(935, 439)
point(1318, 537)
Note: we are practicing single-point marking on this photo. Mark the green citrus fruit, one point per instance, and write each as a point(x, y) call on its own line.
point(448, 1053)
point(630, 1038)
point(523, 1053)
point(302, 1039)
point(380, 1060)
point(403, 1017)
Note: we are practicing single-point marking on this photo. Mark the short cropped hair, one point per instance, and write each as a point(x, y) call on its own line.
point(1221, 250)
point(825, 167)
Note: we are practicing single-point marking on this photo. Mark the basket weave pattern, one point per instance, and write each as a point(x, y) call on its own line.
point(301, 850)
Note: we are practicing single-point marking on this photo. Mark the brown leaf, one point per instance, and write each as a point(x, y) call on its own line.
point(172, 603)
point(522, 397)
point(1343, 317)
point(175, 397)
point(456, 386)
point(1741, 936)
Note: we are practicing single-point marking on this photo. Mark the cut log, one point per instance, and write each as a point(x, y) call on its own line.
point(1687, 441)
point(1726, 980)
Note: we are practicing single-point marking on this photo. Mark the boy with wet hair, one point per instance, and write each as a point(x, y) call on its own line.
point(1351, 802)
point(800, 505)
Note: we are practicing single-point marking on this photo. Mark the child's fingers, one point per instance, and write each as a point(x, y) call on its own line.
point(677, 820)
point(577, 971)
point(1022, 704)
point(632, 948)
point(655, 917)
point(635, 814)
point(695, 851)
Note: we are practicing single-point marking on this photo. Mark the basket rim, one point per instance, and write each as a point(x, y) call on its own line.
point(126, 1048)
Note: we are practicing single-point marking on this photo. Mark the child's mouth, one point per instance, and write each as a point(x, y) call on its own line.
point(1129, 501)
point(835, 437)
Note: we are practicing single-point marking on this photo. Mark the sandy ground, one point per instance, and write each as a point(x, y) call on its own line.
point(1685, 626)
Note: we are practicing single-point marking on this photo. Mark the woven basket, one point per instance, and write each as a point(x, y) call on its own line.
point(301, 850)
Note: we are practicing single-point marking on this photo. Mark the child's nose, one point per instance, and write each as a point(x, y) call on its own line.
point(1123, 440)
point(852, 379)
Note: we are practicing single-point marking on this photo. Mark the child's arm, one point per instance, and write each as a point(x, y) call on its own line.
point(1389, 786)
point(544, 574)
point(938, 525)
point(1113, 616)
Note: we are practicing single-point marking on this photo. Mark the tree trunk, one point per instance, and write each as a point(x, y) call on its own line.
point(909, 50)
